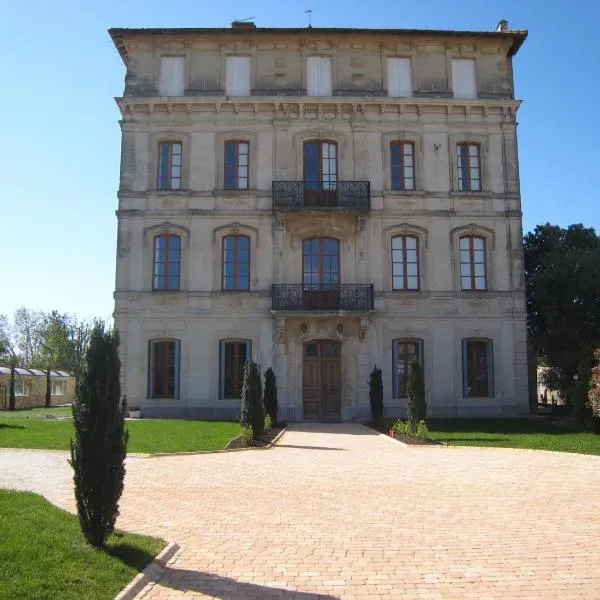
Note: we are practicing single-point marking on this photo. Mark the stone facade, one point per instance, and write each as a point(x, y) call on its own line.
point(276, 119)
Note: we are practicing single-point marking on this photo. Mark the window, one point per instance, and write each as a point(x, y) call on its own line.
point(320, 173)
point(464, 83)
point(472, 263)
point(236, 165)
point(318, 76)
point(477, 369)
point(402, 156)
point(237, 76)
point(399, 77)
point(164, 369)
point(320, 263)
point(405, 262)
point(404, 352)
point(232, 358)
point(21, 387)
point(58, 388)
point(172, 76)
point(236, 262)
point(469, 168)
point(167, 262)
point(169, 166)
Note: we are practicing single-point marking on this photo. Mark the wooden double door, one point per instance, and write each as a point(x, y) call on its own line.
point(321, 380)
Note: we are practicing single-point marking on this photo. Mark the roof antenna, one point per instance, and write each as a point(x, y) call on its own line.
point(309, 13)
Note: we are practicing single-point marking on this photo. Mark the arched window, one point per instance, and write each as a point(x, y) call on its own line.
point(166, 269)
point(405, 262)
point(404, 352)
point(472, 263)
point(236, 262)
point(163, 371)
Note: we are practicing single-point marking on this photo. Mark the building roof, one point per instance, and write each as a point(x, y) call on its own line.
point(118, 35)
point(34, 372)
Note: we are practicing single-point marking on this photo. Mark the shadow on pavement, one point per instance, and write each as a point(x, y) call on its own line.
point(216, 586)
point(345, 428)
point(308, 447)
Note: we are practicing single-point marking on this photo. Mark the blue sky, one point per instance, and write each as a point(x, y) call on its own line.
point(61, 155)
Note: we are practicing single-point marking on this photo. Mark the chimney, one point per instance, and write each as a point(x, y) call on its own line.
point(242, 25)
point(502, 25)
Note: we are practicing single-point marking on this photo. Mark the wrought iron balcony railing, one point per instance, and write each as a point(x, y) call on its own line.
point(341, 195)
point(297, 296)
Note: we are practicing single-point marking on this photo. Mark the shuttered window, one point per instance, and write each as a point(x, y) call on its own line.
point(399, 76)
point(318, 75)
point(464, 82)
point(172, 76)
point(237, 76)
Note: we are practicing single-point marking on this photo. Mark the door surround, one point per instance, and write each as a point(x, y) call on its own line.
point(321, 380)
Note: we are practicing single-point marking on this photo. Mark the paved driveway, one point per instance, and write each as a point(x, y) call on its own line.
point(339, 512)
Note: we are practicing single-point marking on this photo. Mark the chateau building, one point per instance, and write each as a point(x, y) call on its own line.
point(321, 201)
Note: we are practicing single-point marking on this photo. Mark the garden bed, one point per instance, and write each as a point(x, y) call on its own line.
point(262, 442)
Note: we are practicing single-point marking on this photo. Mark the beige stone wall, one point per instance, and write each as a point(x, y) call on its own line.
point(201, 314)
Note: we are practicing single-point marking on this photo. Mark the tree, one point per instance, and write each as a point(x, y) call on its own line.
point(594, 392)
point(27, 326)
point(252, 415)
point(417, 406)
point(270, 396)
point(376, 394)
point(100, 446)
point(563, 313)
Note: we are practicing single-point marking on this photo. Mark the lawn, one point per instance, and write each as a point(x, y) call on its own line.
point(43, 554)
point(534, 433)
point(32, 429)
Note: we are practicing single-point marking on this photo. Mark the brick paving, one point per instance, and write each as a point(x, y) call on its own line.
point(336, 511)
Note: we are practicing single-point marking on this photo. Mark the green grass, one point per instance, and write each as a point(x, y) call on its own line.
point(146, 435)
point(44, 556)
point(60, 412)
point(533, 433)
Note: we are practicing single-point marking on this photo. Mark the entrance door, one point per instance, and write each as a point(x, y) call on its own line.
point(321, 389)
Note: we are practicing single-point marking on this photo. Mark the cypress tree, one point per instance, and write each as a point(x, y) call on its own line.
point(270, 397)
point(252, 409)
point(376, 394)
point(48, 388)
point(12, 400)
point(100, 446)
point(417, 407)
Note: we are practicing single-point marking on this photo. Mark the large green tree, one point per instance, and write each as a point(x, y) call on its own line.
point(562, 282)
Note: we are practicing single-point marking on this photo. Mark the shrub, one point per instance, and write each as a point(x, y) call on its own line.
point(417, 407)
point(100, 446)
point(594, 389)
point(422, 430)
point(252, 407)
point(247, 436)
point(270, 397)
point(401, 427)
point(376, 395)
point(268, 423)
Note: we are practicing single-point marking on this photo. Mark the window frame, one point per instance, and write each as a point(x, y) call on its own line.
point(466, 354)
point(398, 391)
point(236, 143)
point(463, 151)
point(223, 366)
point(236, 237)
point(167, 236)
point(322, 283)
point(333, 177)
point(472, 237)
point(159, 167)
point(22, 387)
point(57, 385)
point(404, 262)
point(401, 167)
point(176, 354)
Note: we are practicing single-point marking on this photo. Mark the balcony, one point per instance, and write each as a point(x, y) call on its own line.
point(340, 195)
point(300, 297)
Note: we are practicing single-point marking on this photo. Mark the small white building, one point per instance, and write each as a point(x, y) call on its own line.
point(321, 201)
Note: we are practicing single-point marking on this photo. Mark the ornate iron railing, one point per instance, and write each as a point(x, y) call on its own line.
point(296, 296)
point(353, 195)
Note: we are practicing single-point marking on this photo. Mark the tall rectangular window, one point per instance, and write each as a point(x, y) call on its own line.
point(172, 76)
point(477, 369)
point(236, 262)
point(399, 77)
point(469, 167)
point(405, 262)
point(164, 369)
point(472, 263)
point(167, 262)
point(237, 76)
point(236, 165)
point(318, 76)
point(169, 165)
point(232, 359)
point(404, 352)
point(402, 156)
point(464, 82)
